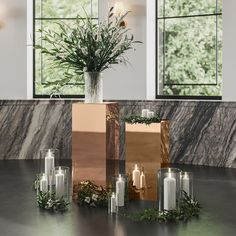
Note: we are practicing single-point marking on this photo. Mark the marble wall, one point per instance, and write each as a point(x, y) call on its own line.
point(201, 133)
point(26, 127)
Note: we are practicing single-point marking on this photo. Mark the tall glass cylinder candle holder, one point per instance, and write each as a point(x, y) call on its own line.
point(120, 188)
point(49, 158)
point(187, 183)
point(62, 180)
point(169, 188)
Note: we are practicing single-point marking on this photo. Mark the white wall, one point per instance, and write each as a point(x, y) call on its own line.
point(129, 82)
point(123, 82)
point(229, 50)
point(13, 79)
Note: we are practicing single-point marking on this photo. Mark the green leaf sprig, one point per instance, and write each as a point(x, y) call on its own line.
point(142, 120)
point(89, 194)
point(48, 201)
point(188, 208)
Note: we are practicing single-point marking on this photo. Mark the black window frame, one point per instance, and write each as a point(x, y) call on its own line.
point(45, 96)
point(187, 97)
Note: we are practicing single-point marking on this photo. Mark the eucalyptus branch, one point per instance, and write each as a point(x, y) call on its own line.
point(142, 120)
point(188, 208)
point(48, 201)
point(86, 46)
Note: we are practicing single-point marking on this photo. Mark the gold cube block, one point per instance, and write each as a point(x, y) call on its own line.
point(95, 142)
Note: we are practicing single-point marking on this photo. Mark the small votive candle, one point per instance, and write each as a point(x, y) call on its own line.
point(150, 114)
point(145, 112)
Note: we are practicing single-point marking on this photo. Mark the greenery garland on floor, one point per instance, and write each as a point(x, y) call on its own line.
point(142, 120)
point(88, 194)
point(188, 208)
point(49, 202)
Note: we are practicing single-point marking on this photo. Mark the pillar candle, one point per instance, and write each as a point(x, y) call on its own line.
point(145, 112)
point(136, 177)
point(59, 183)
point(120, 185)
point(169, 192)
point(186, 183)
point(49, 163)
point(150, 114)
point(113, 203)
point(43, 184)
point(142, 180)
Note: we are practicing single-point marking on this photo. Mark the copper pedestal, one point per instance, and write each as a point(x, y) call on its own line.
point(95, 142)
point(147, 146)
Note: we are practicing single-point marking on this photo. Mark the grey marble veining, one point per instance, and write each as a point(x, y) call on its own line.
point(201, 132)
point(26, 127)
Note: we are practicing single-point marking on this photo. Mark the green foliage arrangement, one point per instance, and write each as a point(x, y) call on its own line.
point(89, 194)
point(85, 46)
point(49, 202)
point(188, 208)
point(190, 48)
point(142, 120)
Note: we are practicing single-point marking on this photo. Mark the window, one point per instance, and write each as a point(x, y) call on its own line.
point(189, 49)
point(46, 15)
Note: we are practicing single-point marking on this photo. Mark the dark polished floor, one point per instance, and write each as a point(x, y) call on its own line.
point(215, 188)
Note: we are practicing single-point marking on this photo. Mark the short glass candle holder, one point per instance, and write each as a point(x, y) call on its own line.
point(169, 188)
point(120, 188)
point(186, 184)
point(62, 180)
point(49, 158)
point(112, 204)
point(43, 184)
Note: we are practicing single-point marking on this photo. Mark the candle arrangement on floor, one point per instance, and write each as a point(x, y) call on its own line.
point(52, 183)
point(176, 202)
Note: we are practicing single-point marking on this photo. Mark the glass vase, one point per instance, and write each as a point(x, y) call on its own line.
point(169, 188)
point(93, 87)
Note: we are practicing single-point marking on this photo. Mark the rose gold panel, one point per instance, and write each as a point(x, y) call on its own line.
point(143, 147)
point(94, 142)
point(165, 147)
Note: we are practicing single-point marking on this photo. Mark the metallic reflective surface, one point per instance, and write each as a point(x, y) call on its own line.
point(95, 142)
point(147, 146)
point(215, 188)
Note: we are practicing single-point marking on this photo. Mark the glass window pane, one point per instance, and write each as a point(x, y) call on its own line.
point(66, 8)
point(199, 90)
point(190, 50)
point(160, 7)
point(188, 7)
point(45, 66)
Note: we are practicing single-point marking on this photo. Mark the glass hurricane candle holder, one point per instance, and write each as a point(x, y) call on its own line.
point(187, 183)
point(112, 204)
point(169, 188)
point(62, 180)
point(49, 158)
point(120, 188)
